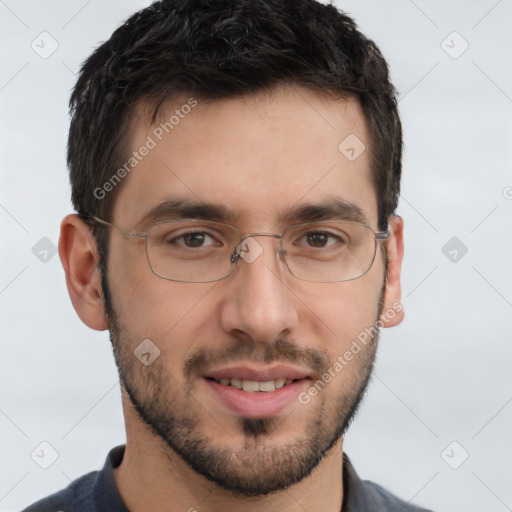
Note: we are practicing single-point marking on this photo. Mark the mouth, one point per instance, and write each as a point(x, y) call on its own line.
point(256, 392)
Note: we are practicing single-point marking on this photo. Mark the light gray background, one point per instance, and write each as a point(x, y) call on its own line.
point(444, 375)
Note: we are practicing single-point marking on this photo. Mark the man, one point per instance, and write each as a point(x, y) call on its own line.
point(235, 167)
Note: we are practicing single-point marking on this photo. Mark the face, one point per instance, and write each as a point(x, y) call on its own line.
point(258, 161)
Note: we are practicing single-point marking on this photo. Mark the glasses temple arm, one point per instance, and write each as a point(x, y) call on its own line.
point(126, 233)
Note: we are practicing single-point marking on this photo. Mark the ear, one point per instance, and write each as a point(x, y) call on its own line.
point(392, 309)
point(79, 256)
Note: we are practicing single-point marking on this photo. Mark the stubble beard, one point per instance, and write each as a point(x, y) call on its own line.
point(257, 466)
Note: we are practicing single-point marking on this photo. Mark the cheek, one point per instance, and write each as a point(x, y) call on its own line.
point(344, 311)
point(170, 314)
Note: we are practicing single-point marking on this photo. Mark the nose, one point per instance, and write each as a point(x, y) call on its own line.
point(257, 301)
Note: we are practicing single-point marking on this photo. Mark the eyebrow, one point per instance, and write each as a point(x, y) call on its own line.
point(182, 208)
point(333, 208)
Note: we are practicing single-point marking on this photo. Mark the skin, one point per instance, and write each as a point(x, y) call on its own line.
point(257, 156)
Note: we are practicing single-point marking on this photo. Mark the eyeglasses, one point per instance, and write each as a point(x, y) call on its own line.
point(199, 251)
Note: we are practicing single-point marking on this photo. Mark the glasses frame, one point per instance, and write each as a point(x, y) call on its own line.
point(235, 256)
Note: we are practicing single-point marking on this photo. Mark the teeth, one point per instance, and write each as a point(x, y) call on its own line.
point(236, 383)
point(279, 383)
point(269, 385)
point(251, 386)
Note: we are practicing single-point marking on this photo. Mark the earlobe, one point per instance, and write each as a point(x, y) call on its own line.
point(79, 257)
point(392, 309)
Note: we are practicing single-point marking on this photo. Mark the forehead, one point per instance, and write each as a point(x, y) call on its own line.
point(259, 157)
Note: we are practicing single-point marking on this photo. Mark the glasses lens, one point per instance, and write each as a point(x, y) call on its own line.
point(329, 251)
point(191, 251)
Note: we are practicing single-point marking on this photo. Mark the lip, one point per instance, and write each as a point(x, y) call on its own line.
point(258, 404)
point(257, 374)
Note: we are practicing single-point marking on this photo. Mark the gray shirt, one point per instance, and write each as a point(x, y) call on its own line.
point(97, 492)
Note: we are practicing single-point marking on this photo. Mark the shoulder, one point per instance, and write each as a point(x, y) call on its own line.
point(365, 496)
point(76, 497)
point(386, 501)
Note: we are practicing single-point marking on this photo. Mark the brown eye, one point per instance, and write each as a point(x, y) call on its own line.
point(194, 239)
point(317, 239)
point(320, 239)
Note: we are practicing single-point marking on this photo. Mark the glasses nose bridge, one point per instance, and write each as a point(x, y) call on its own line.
point(244, 237)
point(242, 247)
